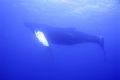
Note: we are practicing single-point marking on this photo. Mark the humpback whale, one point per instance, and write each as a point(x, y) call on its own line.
point(62, 36)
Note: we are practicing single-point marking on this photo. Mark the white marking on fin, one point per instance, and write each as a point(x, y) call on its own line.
point(41, 37)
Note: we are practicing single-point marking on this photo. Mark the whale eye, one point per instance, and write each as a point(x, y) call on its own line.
point(41, 37)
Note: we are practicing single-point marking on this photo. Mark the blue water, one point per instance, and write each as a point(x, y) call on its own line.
point(23, 58)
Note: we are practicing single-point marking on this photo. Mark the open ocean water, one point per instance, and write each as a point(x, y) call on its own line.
point(22, 57)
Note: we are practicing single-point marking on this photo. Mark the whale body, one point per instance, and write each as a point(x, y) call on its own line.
point(64, 36)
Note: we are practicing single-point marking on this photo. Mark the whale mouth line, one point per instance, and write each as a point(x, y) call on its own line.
point(42, 38)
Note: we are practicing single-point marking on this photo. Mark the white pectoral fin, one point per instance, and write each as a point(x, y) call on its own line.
point(41, 37)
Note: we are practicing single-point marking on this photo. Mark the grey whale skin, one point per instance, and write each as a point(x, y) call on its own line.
point(65, 36)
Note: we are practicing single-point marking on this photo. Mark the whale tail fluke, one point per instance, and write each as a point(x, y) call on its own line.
point(101, 42)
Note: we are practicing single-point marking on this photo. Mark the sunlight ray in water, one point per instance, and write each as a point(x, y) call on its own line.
point(70, 7)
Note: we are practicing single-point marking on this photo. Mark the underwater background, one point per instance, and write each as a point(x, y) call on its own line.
point(22, 57)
